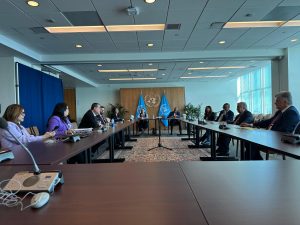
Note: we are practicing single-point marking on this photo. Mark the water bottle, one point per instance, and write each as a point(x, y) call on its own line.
point(112, 123)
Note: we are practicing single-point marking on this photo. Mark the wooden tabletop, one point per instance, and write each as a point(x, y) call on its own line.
point(246, 192)
point(131, 193)
point(267, 138)
point(54, 153)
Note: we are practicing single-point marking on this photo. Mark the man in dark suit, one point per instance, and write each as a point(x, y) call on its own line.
point(244, 116)
point(226, 115)
point(175, 115)
point(284, 120)
point(91, 117)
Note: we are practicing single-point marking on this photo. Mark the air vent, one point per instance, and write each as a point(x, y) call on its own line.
point(217, 25)
point(83, 18)
point(39, 30)
point(173, 26)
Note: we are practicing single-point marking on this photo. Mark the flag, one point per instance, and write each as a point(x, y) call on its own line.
point(141, 105)
point(164, 110)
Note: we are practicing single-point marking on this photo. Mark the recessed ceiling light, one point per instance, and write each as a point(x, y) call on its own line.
point(190, 73)
point(76, 29)
point(33, 3)
point(99, 65)
point(150, 1)
point(150, 64)
point(78, 46)
point(150, 45)
point(294, 40)
point(163, 74)
point(222, 42)
point(140, 78)
point(254, 24)
point(201, 62)
point(135, 27)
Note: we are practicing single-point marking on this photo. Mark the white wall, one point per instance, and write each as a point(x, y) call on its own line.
point(7, 81)
point(214, 93)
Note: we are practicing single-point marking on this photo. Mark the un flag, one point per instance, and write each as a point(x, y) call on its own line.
point(164, 110)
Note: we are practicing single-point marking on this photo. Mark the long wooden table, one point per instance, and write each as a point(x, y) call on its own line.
point(54, 153)
point(266, 138)
point(111, 194)
point(223, 193)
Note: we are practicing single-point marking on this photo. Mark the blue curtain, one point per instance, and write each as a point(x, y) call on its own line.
point(39, 92)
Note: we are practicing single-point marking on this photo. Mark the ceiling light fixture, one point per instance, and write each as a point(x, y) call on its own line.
point(78, 46)
point(201, 62)
point(99, 65)
point(130, 70)
point(217, 68)
point(163, 74)
point(150, 1)
point(222, 42)
point(200, 77)
point(292, 23)
point(150, 45)
point(294, 40)
point(33, 3)
point(150, 64)
point(140, 78)
point(76, 29)
point(139, 27)
point(254, 24)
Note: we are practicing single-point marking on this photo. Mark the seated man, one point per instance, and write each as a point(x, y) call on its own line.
point(143, 122)
point(175, 115)
point(91, 117)
point(103, 120)
point(226, 115)
point(91, 120)
point(284, 120)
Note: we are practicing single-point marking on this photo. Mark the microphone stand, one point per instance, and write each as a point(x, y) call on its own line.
point(159, 135)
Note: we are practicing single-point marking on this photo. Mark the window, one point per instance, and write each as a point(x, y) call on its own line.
point(255, 88)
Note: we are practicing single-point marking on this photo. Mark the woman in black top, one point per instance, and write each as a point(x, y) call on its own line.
point(209, 115)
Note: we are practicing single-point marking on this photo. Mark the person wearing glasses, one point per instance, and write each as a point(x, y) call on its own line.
point(14, 115)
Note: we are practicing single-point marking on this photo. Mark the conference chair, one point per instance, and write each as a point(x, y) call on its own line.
point(33, 130)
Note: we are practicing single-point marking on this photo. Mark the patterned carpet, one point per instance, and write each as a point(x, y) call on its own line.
point(179, 152)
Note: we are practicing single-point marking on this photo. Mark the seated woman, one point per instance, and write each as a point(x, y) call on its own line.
point(116, 117)
point(209, 115)
point(14, 115)
point(59, 121)
point(143, 122)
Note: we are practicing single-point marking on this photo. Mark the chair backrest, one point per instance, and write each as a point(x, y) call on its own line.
point(74, 125)
point(33, 130)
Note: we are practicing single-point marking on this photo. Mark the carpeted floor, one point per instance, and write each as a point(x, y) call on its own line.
point(179, 152)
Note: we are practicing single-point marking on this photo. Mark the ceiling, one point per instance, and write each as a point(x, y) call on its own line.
point(21, 29)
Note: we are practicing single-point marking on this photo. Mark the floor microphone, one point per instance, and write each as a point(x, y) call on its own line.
point(31, 181)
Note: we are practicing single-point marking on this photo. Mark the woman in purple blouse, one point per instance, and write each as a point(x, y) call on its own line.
point(14, 115)
point(59, 120)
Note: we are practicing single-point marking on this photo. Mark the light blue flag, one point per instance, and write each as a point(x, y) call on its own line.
point(141, 105)
point(164, 110)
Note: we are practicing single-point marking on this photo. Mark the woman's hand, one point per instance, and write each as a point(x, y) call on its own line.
point(49, 135)
point(246, 124)
point(70, 132)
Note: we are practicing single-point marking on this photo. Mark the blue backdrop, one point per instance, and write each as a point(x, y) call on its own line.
point(39, 93)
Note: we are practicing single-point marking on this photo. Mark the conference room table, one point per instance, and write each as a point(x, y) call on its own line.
point(57, 152)
point(168, 193)
point(266, 138)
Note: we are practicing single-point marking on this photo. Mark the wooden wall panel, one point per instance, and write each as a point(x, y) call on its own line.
point(129, 98)
point(70, 99)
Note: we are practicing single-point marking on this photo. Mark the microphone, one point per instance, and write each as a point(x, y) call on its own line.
point(4, 125)
point(28, 181)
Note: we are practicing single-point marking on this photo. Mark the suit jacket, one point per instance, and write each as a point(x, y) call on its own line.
point(89, 120)
point(286, 123)
point(228, 117)
point(245, 117)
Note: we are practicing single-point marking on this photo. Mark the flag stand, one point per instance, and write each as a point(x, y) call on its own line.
point(159, 145)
